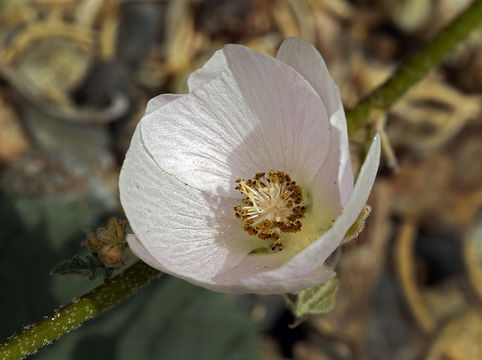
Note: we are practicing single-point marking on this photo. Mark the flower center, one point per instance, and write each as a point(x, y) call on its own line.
point(272, 205)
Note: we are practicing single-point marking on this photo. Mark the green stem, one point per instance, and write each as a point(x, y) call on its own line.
point(71, 316)
point(103, 297)
point(415, 67)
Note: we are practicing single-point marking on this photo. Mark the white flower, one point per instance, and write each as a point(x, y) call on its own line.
point(245, 113)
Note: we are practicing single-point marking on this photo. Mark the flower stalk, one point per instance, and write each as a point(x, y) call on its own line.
point(71, 316)
point(415, 68)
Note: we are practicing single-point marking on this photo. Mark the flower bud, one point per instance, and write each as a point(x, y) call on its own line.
point(112, 256)
point(92, 241)
point(109, 242)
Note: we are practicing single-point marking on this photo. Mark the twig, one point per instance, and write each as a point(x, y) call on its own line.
point(415, 67)
point(71, 316)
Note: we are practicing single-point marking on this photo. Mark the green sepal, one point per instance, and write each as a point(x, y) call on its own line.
point(358, 225)
point(88, 265)
point(317, 300)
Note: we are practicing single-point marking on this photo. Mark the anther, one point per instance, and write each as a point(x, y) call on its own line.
point(272, 206)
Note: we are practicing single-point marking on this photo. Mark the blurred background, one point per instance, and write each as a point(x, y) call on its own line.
point(75, 76)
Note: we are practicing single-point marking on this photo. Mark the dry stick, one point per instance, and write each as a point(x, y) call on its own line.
point(138, 275)
point(415, 68)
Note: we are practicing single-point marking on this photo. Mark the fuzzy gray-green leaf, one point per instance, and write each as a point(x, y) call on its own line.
point(314, 301)
point(80, 265)
point(358, 225)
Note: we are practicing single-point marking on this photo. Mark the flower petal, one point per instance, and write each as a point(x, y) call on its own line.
point(159, 101)
point(280, 287)
point(255, 114)
point(336, 175)
point(283, 286)
point(183, 229)
point(141, 252)
point(314, 255)
point(259, 286)
point(305, 59)
point(210, 70)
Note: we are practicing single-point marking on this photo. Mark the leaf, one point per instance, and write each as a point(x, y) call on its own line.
point(358, 225)
point(317, 300)
point(87, 265)
point(182, 321)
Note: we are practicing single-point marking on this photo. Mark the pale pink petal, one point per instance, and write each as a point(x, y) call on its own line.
point(255, 114)
point(184, 229)
point(225, 285)
point(306, 60)
point(210, 70)
point(336, 175)
point(141, 252)
point(260, 286)
point(159, 101)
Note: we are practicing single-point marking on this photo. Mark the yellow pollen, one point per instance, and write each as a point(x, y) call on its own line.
point(272, 205)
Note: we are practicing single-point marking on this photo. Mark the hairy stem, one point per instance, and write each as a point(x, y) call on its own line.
point(71, 316)
point(415, 67)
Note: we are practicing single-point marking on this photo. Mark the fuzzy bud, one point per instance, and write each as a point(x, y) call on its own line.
point(112, 256)
point(109, 242)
